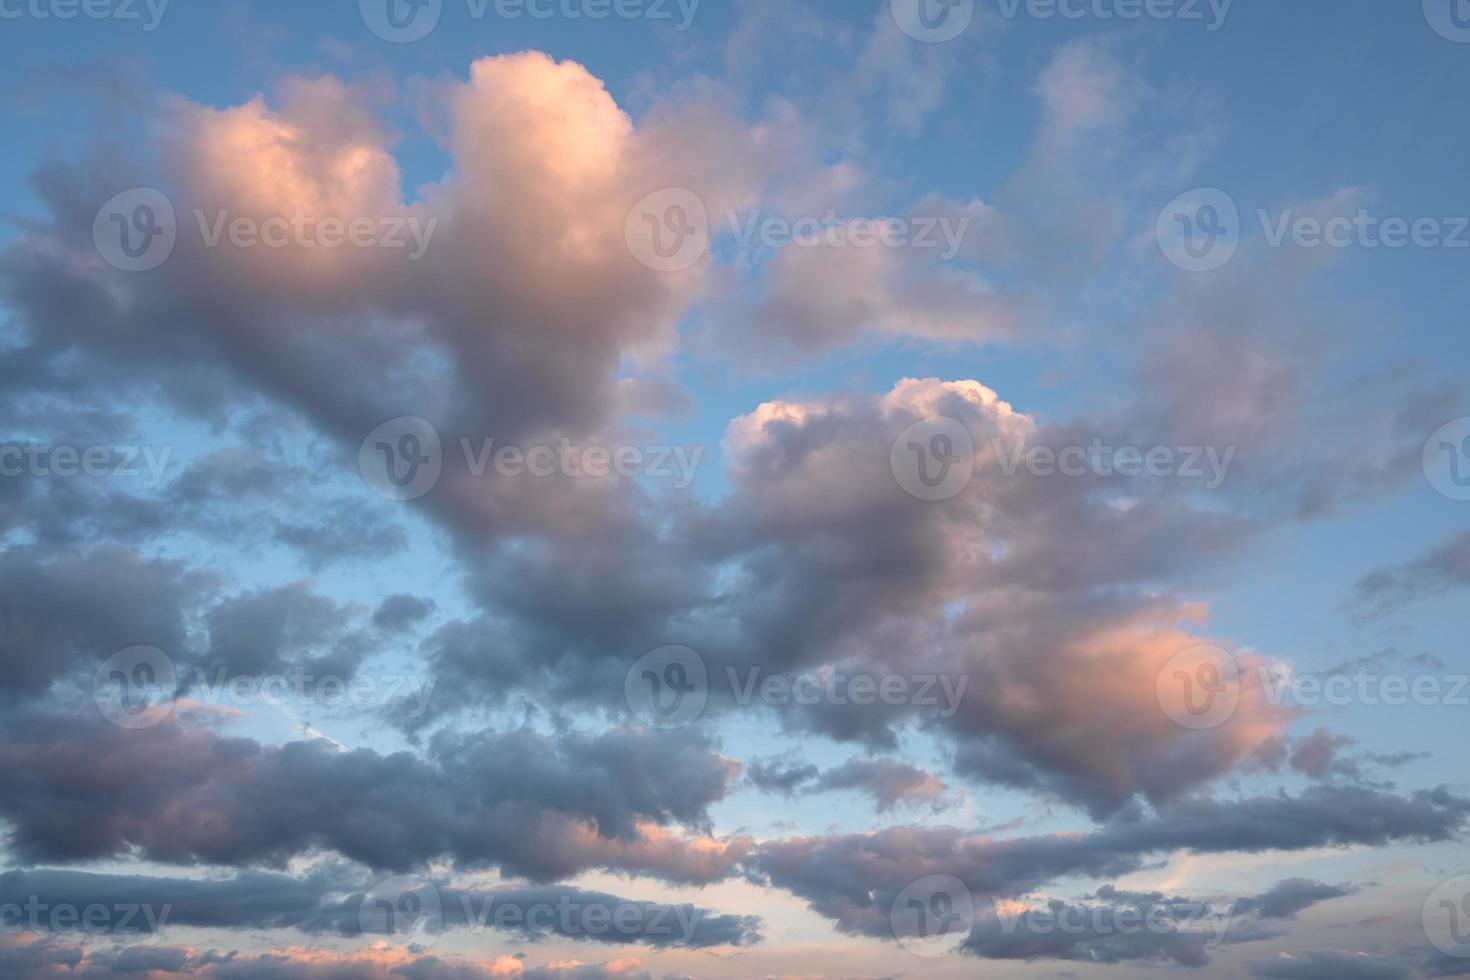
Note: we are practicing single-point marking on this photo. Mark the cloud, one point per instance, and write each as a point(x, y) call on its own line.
point(538, 806)
point(1322, 964)
point(1387, 589)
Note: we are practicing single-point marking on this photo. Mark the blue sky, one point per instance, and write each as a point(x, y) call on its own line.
point(815, 382)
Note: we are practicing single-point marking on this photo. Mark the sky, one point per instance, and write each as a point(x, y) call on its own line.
point(734, 489)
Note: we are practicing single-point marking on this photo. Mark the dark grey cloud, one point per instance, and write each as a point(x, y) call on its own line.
point(539, 806)
point(401, 611)
point(1286, 898)
point(58, 613)
point(853, 879)
point(332, 901)
point(1385, 590)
